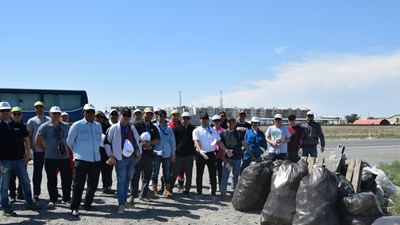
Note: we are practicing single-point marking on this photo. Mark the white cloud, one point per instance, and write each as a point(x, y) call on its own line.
point(280, 50)
point(337, 84)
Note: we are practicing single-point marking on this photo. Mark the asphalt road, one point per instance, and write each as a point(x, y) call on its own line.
point(369, 150)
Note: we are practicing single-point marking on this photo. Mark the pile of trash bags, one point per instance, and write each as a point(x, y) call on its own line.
point(287, 193)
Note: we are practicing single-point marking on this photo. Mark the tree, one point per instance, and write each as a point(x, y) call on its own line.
point(352, 117)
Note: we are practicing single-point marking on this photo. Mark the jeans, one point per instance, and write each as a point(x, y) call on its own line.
point(38, 163)
point(106, 169)
point(84, 169)
point(187, 164)
point(245, 163)
point(19, 168)
point(310, 150)
point(14, 191)
point(200, 165)
point(125, 169)
point(235, 168)
point(219, 170)
point(51, 166)
point(145, 164)
point(166, 165)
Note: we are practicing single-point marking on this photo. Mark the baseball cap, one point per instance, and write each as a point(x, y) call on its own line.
point(16, 109)
point(162, 112)
point(38, 103)
point(204, 116)
point(149, 110)
point(137, 111)
point(89, 106)
point(98, 112)
point(278, 116)
point(216, 117)
point(55, 109)
point(255, 119)
point(156, 110)
point(231, 119)
point(185, 114)
point(126, 111)
point(64, 114)
point(311, 113)
point(174, 112)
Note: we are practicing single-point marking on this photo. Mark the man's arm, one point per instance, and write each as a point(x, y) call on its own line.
point(27, 143)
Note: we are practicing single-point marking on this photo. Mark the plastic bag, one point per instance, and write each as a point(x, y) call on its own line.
point(384, 181)
point(280, 206)
point(253, 187)
point(316, 199)
point(345, 188)
point(387, 220)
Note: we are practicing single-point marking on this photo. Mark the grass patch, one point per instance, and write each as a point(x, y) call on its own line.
point(393, 172)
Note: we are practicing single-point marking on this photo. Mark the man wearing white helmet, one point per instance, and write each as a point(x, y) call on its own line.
point(312, 131)
point(51, 139)
point(14, 154)
point(255, 139)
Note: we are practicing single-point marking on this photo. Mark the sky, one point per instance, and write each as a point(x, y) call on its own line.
point(333, 57)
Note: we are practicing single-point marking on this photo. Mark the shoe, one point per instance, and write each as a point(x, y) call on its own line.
point(65, 202)
point(33, 206)
point(10, 213)
point(75, 213)
point(108, 191)
point(20, 197)
point(121, 209)
point(186, 193)
point(144, 198)
point(89, 208)
point(12, 200)
point(51, 205)
point(131, 200)
point(36, 197)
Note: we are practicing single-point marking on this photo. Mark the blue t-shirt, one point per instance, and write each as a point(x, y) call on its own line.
point(275, 133)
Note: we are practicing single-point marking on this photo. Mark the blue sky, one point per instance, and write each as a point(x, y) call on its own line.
point(336, 58)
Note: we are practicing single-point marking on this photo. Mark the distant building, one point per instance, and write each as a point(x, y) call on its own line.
point(372, 122)
point(394, 119)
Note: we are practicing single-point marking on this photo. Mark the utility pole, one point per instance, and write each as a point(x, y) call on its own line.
point(221, 100)
point(180, 99)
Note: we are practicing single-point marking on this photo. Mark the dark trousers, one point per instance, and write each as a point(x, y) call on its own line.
point(200, 165)
point(51, 167)
point(106, 169)
point(185, 164)
point(143, 168)
point(219, 170)
point(13, 187)
point(84, 169)
point(38, 163)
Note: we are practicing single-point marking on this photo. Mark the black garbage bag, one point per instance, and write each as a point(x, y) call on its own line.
point(360, 209)
point(345, 188)
point(280, 206)
point(368, 182)
point(316, 199)
point(253, 187)
point(387, 220)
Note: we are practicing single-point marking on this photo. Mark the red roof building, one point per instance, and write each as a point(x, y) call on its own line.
point(372, 122)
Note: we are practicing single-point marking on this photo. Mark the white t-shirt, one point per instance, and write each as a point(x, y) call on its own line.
point(275, 133)
point(207, 136)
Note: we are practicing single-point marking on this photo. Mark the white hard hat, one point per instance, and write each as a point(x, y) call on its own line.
point(5, 105)
point(89, 106)
point(310, 113)
point(278, 116)
point(255, 119)
point(185, 114)
point(216, 117)
point(55, 109)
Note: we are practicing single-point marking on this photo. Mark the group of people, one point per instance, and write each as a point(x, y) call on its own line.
point(96, 144)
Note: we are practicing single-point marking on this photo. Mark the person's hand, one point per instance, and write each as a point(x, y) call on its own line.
point(111, 161)
point(138, 158)
point(173, 158)
point(322, 149)
point(27, 158)
point(203, 154)
point(273, 143)
point(229, 152)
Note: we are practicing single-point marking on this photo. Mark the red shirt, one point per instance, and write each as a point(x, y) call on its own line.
point(297, 134)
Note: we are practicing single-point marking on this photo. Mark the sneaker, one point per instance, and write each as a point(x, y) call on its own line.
point(10, 213)
point(75, 213)
point(108, 191)
point(51, 205)
point(186, 193)
point(89, 208)
point(121, 209)
point(33, 206)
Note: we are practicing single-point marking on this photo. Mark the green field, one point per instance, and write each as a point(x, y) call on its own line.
point(358, 132)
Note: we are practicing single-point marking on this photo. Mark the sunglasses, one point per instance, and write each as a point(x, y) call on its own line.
point(89, 111)
point(99, 116)
point(278, 119)
point(217, 121)
point(5, 110)
point(17, 114)
point(186, 118)
point(310, 116)
point(163, 116)
point(56, 114)
point(126, 115)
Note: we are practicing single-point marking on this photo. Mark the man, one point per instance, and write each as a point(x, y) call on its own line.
point(16, 115)
point(65, 117)
point(84, 139)
point(175, 118)
point(224, 121)
point(164, 153)
point(205, 140)
point(145, 166)
point(138, 115)
point(14, 154)
point(242, 126)
point(38, 155)
point(106, 169)
point(51, 139)
point(312, 131)
point(123, 156)
point(255, 139)
point(113, 116)
point(296, 132)
point(277, 136)
point(232, 140)
point(185, 152)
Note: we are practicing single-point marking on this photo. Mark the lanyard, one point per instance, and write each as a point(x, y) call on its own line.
point(125, 129)
point(163, 130)
point(147, 127)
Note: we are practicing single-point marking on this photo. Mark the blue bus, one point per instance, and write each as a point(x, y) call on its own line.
point(69, 101)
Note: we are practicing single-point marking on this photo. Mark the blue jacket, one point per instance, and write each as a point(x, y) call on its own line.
point(166, 146)
point(84, 140)
point(255, 141)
